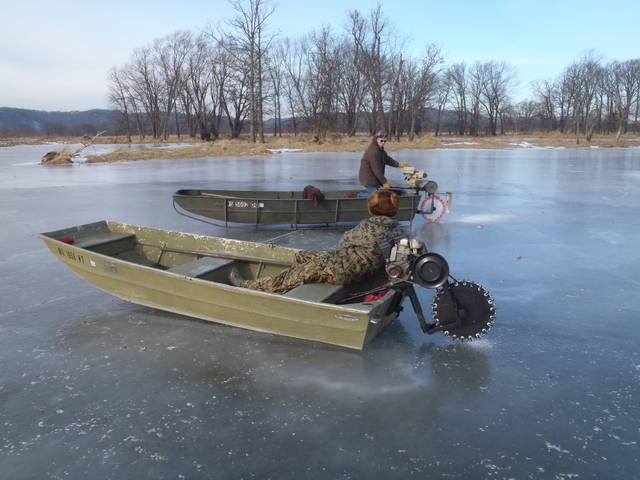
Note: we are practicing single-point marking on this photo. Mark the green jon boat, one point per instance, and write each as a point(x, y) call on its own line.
point(188, 274)
point(284, 207)
point(291, 207)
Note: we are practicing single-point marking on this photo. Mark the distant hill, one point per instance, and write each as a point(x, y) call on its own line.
point(20, 120)
point(89, 122)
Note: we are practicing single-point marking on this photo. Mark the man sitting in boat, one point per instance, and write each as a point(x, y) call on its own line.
point(373, 163)
point(362, 252)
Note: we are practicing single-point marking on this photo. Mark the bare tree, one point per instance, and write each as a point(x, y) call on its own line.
point(323, 69)
point(477, 80)
point(291, 57)
point(456, 77)
point(198, 76)
point(170, 53)
point(622, 82)
point(146, 86)
point(547, 94)
point(236, 98)
point(443, 91)
point(276, 76)
point(222, 70)
point(496, 79)
point(398, 83)
point(370, 39)
point(582, 80)
point(422, 85)
point(249, 44)
point(119, 97)
point(300, 90)
point(352, 86)
point(524, 113)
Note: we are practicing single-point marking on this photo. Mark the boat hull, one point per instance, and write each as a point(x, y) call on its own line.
point(349, 326)
point(285, 207)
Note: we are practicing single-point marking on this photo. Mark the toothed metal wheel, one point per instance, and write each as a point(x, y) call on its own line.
point(464, 310)
point(433, 207)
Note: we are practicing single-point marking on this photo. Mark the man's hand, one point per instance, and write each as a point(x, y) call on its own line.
point(386, 185)
point(404, 165)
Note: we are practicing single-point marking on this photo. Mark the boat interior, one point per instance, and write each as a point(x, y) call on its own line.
point(203, 264)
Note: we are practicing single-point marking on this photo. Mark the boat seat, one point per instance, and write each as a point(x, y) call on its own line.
point(107, 243)
point(102, 239)
point(201, 266)
point(314, 292)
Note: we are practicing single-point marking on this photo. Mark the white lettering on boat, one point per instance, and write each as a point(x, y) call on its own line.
point(111, 267)
point(241, 204)
point(348, 318)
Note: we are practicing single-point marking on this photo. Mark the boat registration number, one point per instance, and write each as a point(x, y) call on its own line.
point(244, 204)
point(80, 259)
point(70, 254)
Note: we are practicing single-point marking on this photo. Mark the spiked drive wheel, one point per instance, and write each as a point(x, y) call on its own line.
point(433, 208)
point(464, 310)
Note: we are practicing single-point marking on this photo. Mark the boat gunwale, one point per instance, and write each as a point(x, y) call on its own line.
point(406, 193)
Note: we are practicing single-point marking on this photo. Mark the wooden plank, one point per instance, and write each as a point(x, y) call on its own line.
point(201, 266)
point(102, 239)
point(314, 292)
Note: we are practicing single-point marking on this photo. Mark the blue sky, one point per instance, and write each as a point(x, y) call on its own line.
point(56, 55)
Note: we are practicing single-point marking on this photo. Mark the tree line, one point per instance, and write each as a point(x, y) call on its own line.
point(242, 78)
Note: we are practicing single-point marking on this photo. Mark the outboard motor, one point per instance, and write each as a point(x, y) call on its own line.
point(460, 309)
point(431, 207)
point(416, 180)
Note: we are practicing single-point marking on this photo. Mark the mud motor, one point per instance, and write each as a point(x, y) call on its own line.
point(431, 207)
point(416, 179)
point(460, 309)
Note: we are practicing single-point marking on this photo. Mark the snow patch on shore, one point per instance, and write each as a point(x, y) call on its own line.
point(285, 150)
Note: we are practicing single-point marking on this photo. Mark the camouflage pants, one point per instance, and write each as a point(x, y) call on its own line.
point(337, 267)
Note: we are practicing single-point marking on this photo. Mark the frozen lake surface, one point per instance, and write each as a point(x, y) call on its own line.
point(94, 387)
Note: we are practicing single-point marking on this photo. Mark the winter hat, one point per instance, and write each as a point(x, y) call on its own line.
point(383, 202)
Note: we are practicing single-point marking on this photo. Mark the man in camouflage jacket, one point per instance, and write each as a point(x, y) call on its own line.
point(362, 252)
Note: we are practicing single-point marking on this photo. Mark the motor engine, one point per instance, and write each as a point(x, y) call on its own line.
point(416, 179)
point(410, 261)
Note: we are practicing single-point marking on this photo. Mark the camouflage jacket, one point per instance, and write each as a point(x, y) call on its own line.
point(362, 252)
point(376, 234)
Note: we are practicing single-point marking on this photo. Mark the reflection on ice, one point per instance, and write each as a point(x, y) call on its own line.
point(484, 344)
point(25, 164)
point(353, 379)
point(484, 218)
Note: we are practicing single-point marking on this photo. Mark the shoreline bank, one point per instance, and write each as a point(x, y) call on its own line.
point(182, 147)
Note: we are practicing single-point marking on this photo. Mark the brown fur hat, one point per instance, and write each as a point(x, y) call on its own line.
point(383, 202)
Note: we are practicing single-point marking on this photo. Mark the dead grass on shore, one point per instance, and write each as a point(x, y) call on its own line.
point(63, 157)
point(333, 143)
point(239, 147)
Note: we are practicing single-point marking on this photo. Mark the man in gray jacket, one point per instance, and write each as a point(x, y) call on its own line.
point(373, 164)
